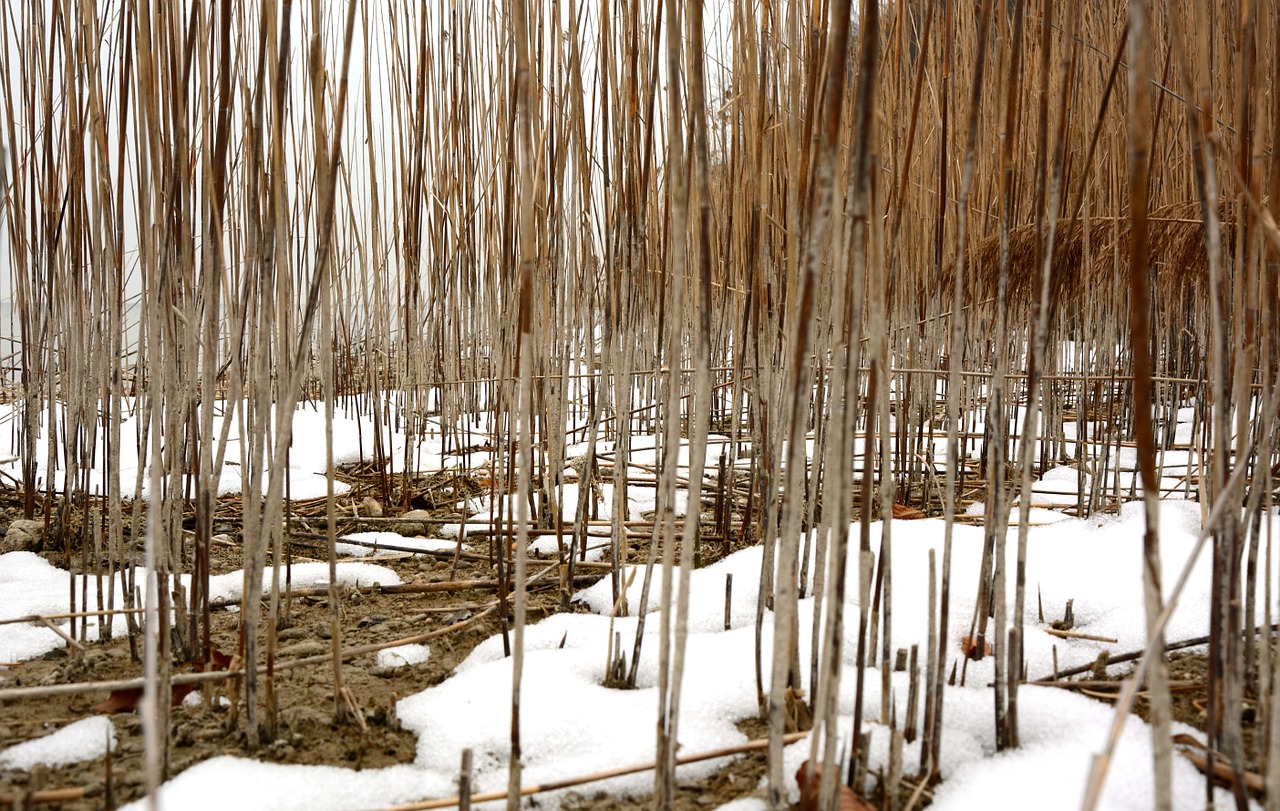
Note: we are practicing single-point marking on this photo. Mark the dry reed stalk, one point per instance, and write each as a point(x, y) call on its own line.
point(939, 648)
point(1224, 680)
point(1270, 718)
point(523, 96)
point(1047, 212)
point(682, 168)
point(677, 166)
point(785, 682)
point(996, 523)
point(326, 181)
point(198, 140)
point(1139, 341)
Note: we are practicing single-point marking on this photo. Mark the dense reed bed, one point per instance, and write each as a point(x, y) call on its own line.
point(861, 224)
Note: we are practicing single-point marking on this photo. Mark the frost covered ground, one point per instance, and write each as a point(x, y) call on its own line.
point(571, 725)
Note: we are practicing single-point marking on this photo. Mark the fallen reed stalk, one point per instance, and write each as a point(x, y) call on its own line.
point(42, 796)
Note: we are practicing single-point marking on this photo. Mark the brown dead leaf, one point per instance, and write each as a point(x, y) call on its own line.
point(970, 648)
point(217, 661)
point(848, 799)
point(120, 701)
point(127, 700)
point(902, 512)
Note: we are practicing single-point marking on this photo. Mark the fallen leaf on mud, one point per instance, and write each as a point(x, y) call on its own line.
point(217, 659)
point(970, 647)
point(127, 700)
point(848, 799)
point(902, 512)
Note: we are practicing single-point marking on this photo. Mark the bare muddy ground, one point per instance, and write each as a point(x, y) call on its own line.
point(307, 728)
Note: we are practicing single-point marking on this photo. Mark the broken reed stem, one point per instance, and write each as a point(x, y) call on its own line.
point(1140, 347)
point(525, 349)
point(1130, 656)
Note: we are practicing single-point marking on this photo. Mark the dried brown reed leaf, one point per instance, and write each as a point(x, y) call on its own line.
point(969, 646)
point(127, 700)
point(217, 661)
point(902, 512)
point(799, 717)
point(847, 798)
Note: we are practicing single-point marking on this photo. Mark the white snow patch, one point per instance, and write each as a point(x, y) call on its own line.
point(88, 739)
point(402, 656)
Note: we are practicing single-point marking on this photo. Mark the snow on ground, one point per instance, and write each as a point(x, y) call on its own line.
point(572, 725)
point(230, 587)
point(1037, 515)
point(363, 544)
point(231, 782)
point(87, 739)
point(30, 585)
point(402, 656)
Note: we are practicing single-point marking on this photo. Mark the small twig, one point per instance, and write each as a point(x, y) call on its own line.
point(1132, 655)
point(1178, 686)
point(354, 707)
point(66, 636)
point(69, 615)
point(1078, 635)
point(918, 792)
